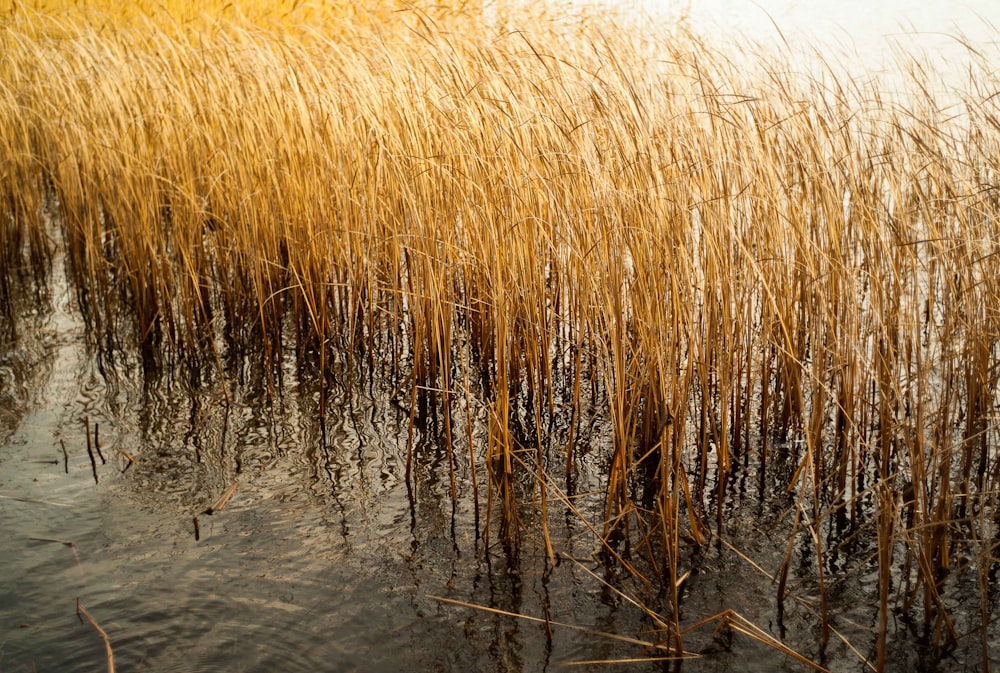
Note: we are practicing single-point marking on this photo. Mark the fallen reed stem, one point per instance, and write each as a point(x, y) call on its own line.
point(33, 500)
point(97, 444)
point(540, 620)
point(90, 449)
point(80, 610)
point(222, 500)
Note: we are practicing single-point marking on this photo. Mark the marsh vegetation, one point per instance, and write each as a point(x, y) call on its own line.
point(555, 244)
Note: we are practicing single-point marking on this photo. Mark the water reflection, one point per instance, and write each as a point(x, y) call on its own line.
point(318, 553)
point(323, 558)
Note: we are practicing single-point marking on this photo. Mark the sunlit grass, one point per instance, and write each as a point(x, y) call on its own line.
point(515, 211)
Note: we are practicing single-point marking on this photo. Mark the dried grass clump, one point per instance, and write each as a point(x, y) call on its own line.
point(520, 212)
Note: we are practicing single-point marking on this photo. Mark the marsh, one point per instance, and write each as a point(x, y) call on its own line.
point(453, 338)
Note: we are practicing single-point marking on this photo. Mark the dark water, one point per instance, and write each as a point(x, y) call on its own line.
point(323, 559)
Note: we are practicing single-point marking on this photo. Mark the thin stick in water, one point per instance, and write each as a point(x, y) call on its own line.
point(80, 610)
point(33, 500)
point(223, 499)
point(127, 457)
point(90, 449)
point(97, 444)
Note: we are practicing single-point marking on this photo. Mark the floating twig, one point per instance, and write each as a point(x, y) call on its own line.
point(90, 448)
point(65, 456)
point(223, 499)
point(34, 500)
point(97, 444)
point(80, 610)
point(650, 645)
point(127, 457)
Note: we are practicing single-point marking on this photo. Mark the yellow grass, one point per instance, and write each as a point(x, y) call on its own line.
point(518, 211)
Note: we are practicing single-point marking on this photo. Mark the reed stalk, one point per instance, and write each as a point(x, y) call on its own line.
point(735, 262)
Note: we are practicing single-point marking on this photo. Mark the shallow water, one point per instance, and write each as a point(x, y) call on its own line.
point(323, 559)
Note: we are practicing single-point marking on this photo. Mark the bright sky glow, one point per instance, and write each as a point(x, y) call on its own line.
point(864, 30)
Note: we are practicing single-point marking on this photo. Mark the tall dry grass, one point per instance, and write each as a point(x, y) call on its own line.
point(517, 212)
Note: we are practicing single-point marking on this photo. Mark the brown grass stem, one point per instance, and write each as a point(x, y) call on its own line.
point(82, 611)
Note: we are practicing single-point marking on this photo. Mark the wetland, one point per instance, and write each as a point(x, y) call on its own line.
point(468, 339)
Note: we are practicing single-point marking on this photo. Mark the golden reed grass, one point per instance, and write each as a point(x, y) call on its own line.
point(518, 212)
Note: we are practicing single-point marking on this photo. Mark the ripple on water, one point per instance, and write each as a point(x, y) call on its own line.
point(230, 609)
